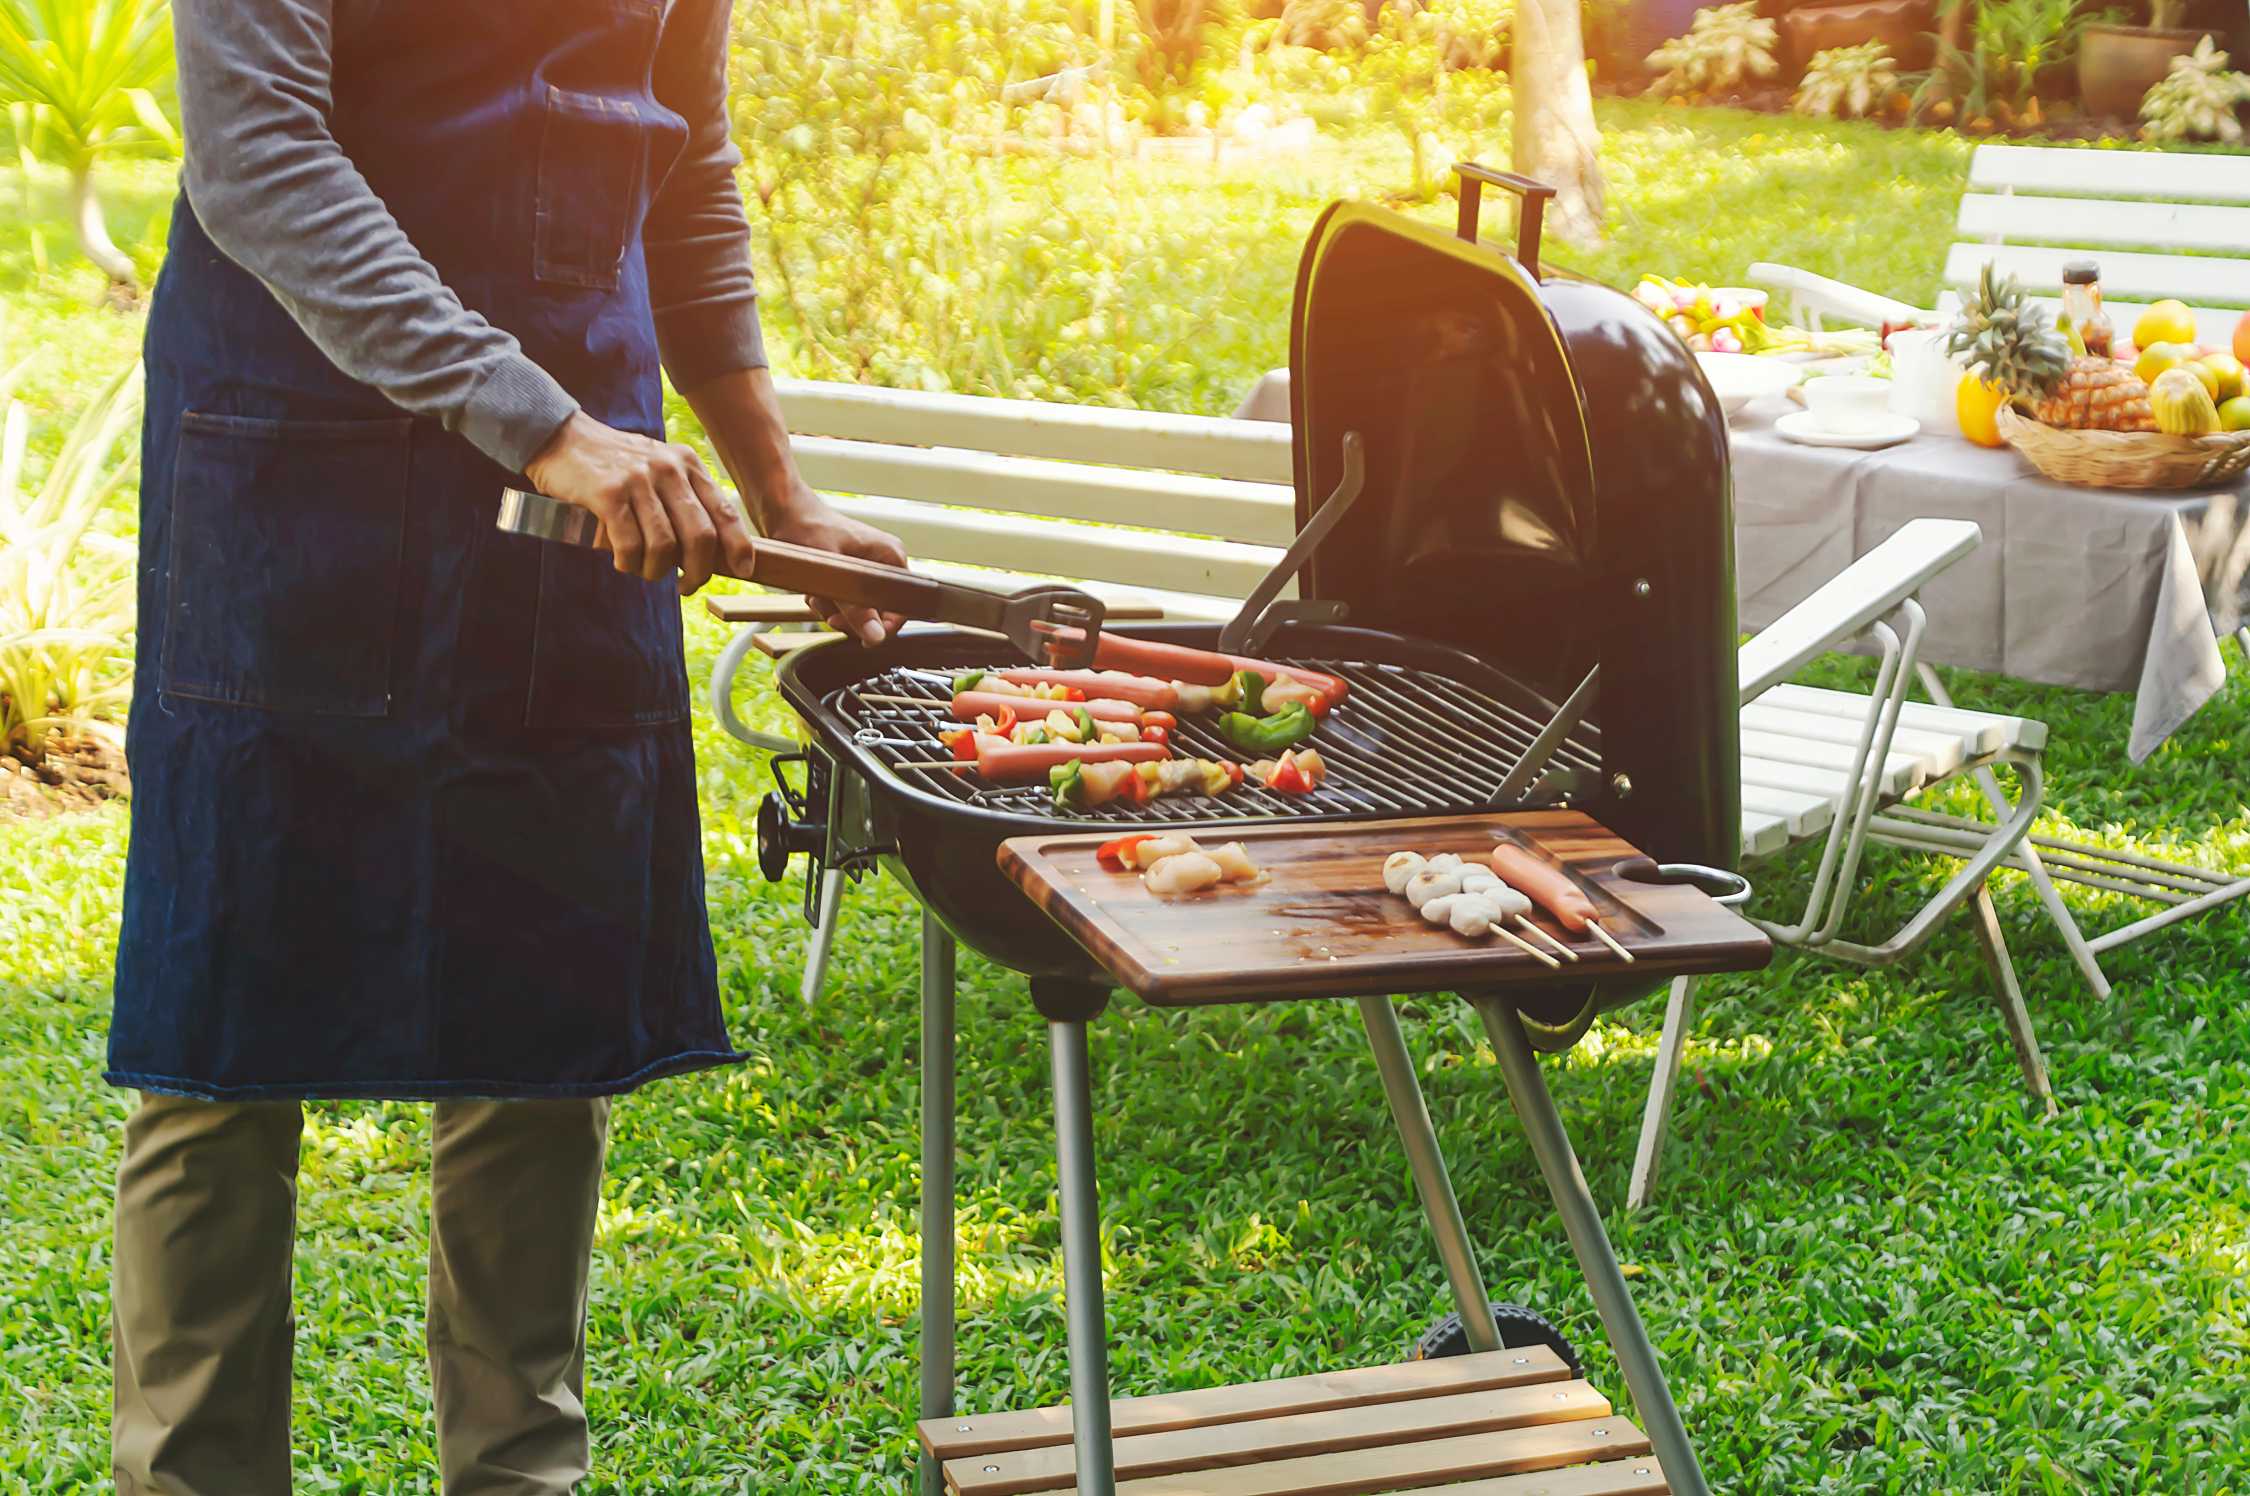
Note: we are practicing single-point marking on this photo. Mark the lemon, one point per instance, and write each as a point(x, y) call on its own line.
point(2157, 357)
point(2166, 321)
point(2227, 370)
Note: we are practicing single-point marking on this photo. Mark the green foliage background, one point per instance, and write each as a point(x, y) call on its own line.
point(1872, 1269)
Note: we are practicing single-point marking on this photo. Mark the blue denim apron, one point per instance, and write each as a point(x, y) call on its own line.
point(414, 801)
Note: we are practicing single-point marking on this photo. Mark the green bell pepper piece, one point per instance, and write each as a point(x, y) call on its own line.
point(967, 681)
point(1064, 780)
point(1291, 725)
point(1086, 733)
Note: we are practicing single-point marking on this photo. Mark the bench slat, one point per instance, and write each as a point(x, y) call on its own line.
point(2160, 174)
point(1220, 446)
point(1763, 833)
point(1990, 731)
point(1938, 753)
point(1641, 1476)
point(1029, 1428)
point(1365, 1472)
point(1058, 548)
point(1292, 1436)
point(1901, 771)
point(1260, 513)
point(2086, 221)
point(2202, 280)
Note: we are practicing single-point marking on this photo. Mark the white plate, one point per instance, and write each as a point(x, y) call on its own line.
point(1798, 426)
point(1739, 378)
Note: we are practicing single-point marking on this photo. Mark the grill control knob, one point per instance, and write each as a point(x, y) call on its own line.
point(780, 838)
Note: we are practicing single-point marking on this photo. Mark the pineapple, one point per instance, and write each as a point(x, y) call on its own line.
point(2097, 394)
point(2008, 340)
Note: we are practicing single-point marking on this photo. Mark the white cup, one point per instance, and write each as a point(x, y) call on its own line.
point(1848, 403)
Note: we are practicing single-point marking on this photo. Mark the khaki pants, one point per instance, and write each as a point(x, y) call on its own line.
point(206, 1215)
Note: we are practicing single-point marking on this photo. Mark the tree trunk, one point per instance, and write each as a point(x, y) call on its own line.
point(93, 236)
point(1555, 137)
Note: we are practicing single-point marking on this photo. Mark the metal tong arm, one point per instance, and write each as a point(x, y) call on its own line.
point(1242, 631)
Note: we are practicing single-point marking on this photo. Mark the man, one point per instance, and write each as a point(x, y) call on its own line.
point(415, 799)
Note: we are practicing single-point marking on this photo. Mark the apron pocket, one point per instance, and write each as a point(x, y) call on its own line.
point(606, 648)
point(285, 562)
point(590, 160)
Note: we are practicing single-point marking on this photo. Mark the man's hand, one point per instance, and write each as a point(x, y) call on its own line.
point(805, 518)
point(658, 507)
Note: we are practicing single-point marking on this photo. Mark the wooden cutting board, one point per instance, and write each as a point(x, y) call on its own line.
point(1322, 924)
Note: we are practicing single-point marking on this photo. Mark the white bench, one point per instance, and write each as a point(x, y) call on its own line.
point(2161, 224)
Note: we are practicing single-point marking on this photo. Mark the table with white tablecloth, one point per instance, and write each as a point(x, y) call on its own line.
point(2102, 589)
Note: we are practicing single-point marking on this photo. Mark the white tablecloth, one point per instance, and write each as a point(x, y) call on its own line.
point(2084, 587)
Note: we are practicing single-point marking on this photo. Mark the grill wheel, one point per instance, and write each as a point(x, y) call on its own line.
point(1518, 1327)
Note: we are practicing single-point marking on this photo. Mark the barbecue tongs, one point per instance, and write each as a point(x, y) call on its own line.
point(1027, 618)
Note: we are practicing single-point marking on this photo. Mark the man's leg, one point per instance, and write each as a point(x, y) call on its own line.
point(200, 1319)
point(513, 1190)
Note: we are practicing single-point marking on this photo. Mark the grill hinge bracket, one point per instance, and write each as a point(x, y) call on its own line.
point(1265, 611)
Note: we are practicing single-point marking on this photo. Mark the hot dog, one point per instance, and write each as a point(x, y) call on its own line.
point(1545, 885)
point(970, 705)
point(1028, 763)
point(1201, 667)
point(1114, 685)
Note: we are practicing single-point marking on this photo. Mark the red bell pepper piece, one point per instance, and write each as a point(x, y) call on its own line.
point(1287, 778)
point(1115, 851)
point(962, 744)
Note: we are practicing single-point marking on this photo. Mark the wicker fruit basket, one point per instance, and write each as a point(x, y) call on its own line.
point(2127, 459)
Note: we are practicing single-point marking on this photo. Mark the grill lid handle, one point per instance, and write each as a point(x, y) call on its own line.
point(1535, 196)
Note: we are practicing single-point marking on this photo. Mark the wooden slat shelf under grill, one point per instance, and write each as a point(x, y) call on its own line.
point(1504, 1423)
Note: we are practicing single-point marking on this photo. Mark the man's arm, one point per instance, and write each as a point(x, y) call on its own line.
point(704, 294)
point(276, 193)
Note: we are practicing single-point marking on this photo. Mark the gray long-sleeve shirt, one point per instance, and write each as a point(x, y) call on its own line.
point(278, 195)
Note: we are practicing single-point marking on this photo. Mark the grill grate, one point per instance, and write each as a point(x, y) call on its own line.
point(1405, 742)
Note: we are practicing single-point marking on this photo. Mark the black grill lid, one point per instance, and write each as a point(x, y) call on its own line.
point(1546, 488)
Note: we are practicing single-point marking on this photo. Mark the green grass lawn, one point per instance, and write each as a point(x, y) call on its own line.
point(1873, 1267)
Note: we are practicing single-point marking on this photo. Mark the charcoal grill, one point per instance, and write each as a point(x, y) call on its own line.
point(1515, 544)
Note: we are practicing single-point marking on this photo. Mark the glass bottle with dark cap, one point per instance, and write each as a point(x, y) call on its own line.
point(2082, 303)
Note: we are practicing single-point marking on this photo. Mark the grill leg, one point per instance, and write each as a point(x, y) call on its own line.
point(1679, 1016)
point(1535, 1108)
point(937, 1181)
point(824, 938)
point(1082, 1261)
point(2008, 992)
point(1431, 1181)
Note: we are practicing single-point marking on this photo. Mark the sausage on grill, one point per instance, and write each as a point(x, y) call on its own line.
point(1115, 685)
point(970, 705)
point(1201, 667)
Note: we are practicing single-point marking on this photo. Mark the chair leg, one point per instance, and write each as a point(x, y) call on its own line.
point(1589, 1242)
point(938, 1281)
point(824, 936)
point(1679, 1017)
point(2008, 992)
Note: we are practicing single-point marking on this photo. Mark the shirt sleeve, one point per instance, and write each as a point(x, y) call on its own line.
point(696, 240)
point(276, 193)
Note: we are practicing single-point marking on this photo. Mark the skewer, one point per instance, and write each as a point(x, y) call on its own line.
point(1567, 953)
point(956, 763)
point(1526, 947)
point(1605, 938)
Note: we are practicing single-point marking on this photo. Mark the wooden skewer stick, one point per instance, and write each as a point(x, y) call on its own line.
point(956, 763)
point(1566, 952)
point(1526, 946)
point(1605, 938)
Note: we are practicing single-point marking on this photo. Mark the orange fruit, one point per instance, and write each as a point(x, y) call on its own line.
point(1977, 402)
point(2166, 321)
point(2242, 338)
